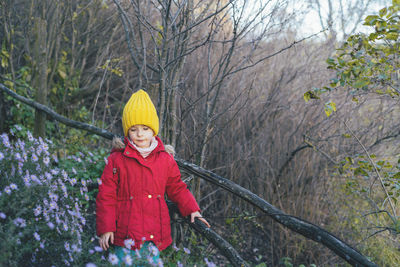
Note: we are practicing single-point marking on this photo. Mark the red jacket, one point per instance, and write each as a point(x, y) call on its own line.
point(131, 201)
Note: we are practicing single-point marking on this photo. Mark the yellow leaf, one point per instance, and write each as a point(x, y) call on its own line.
point(329, 108)
point(62, 74)
point(307, 96)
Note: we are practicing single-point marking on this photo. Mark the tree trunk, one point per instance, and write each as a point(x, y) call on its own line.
point(40, 59)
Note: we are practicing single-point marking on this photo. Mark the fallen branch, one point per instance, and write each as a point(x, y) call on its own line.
point(223, 246)
point(295, 224)
point(75, 124)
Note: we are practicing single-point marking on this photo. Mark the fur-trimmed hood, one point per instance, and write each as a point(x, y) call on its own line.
point(118, 144)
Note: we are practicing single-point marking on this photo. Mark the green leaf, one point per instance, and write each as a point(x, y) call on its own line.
point(360, 83)
point(329, 108)
point(309, 95)
point(392, 36)
point(383, 12)
point(360, 171)
point(370, 20)
point(396, 175)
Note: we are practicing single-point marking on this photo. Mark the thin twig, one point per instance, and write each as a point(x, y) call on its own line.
point(376, 171)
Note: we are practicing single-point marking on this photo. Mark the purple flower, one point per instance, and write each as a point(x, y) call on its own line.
point(175, 247)
point(64, 174)
point(39, 150)
point(53, 196)
point(6, 141)
point(37, 210)
point(179, 264)
point(128, 260)
point(187, 251)
point(7, 189)
point(113, 259)
point(19, 222)
point(98, 249)
point(34, 178)
point(27, 180)
point(36, 236)
point(154, 250)
point(50, 225)
point(209, 263)
point(2, 215)
point(67, 247)
point(75, 248)
point(18, 156)
point(48, 176)
point(1, 156)
point(13, 186)
point(90, 264)
point(30, 137)
point(129, 243)
point(34, 157)
point(46, 161)
point(53, 206)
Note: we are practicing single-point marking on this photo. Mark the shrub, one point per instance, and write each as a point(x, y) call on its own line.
point(40, 215)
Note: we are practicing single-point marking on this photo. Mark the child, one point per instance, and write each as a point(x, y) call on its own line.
point(130, 204)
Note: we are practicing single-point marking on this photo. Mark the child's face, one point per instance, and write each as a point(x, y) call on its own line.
point(141, 135)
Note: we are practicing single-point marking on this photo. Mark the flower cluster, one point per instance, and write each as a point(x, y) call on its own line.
point(39, 207)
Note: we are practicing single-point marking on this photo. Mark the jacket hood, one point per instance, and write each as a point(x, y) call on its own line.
point(119, 145)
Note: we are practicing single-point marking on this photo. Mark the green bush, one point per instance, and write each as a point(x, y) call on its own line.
point(40, 216)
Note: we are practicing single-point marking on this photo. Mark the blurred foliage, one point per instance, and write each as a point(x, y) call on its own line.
point(367, 62)
point(361, 179)
point(371, 231)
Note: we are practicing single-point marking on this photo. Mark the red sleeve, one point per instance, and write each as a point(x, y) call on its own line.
point(178, 192)
point(106, 201)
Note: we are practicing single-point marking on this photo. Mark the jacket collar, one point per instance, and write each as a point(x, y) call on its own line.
point(132, 152)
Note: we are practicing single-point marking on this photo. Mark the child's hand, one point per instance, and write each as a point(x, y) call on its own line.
point(104, 238)
point(198, 215)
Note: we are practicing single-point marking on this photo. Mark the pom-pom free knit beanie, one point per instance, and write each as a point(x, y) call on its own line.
point(140, 110)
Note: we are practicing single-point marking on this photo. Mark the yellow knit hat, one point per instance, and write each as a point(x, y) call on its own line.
point(140, 110)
